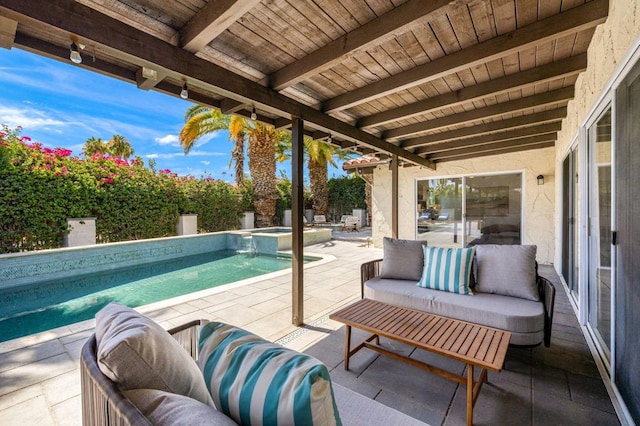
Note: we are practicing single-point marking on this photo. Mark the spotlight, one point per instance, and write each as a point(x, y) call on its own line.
point(184, 93)
point(329, 139)
point(254, 115)
point(75, 54)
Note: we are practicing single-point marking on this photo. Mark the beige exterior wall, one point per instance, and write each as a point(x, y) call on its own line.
point(610, 44)
point(538, 207)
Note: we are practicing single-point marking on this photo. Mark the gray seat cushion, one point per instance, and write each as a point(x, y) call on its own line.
point(524, 318)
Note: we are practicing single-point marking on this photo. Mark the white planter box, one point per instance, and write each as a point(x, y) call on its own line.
point(82, 232)
point(187, 224)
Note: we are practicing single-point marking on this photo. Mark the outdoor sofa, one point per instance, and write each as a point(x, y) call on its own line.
point(135, 373)
point(503, 289)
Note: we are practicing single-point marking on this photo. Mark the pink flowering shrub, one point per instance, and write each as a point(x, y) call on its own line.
point(41, 187)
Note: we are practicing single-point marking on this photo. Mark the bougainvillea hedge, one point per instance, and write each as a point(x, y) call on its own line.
point(41, 187)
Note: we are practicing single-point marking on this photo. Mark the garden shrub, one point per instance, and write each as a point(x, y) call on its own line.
point(41, 187)
point(345, 194)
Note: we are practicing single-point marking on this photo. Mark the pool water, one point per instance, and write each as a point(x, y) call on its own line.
point(32, 309)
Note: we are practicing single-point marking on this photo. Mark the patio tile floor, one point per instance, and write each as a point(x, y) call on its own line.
point(39, 375)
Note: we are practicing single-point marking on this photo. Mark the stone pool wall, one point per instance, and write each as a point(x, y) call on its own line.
point(33, 267)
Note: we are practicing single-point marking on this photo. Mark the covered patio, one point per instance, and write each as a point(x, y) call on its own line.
point(40, 376)
point(431, 89)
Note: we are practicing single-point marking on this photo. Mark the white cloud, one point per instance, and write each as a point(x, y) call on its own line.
point(206, 163)
point(182, 154)
point(168, 140)
point(28, 118)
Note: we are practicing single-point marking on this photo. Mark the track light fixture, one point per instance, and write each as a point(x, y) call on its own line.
point(184, 93)
point(75, 56)
point(254, 115)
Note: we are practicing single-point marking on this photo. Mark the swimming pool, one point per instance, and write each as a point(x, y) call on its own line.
point(31, 309)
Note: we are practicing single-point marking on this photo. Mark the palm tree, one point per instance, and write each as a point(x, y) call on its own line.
point(120, 147)
point(262, 166)
point(201, 120)
point(93, 146)
point(320, 155)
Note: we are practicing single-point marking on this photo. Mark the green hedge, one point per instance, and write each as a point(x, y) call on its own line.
point(40, 188)
point(345, 194)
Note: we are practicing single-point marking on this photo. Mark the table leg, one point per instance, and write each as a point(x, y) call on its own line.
point(347, 346)
point(469, 394)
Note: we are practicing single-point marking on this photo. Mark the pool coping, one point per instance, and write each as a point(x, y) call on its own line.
point(70, 329)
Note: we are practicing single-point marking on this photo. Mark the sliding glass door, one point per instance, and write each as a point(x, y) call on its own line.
point(470, 210)
point(439, 219)
point(570, 224)
point(493, 209)
point(600, 203)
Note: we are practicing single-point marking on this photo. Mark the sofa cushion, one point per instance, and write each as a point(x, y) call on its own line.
point(509, 270)
point(357, 409)
point(170, 409)
point(447, 269)
point(402, 259)
point(135, 352)
point(524, 318)
point(256, 382)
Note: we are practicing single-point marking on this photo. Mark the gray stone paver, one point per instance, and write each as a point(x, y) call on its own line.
point(39, 375)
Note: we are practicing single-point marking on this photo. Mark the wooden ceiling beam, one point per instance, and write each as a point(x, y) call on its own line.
point(8, 28)
point(554, 115)
point(490, 138)
point(134, 46)
point(282, 123)
point(553, 97)
point(573, 20)
point(529, 140)
point(148, 78)
point(213, 19)
point(53, 51)
point(542, 74)
point(229, 106)
point(497, 151)
point(374, 31)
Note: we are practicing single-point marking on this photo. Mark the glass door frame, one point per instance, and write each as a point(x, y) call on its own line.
point(587, 261)
point(574, 242)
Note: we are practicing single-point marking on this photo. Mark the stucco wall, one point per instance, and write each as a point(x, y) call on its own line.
point(538, 203)
point(609, 46)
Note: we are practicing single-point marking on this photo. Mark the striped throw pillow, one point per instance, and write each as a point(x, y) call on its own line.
point(256, 382)
point(447, 269)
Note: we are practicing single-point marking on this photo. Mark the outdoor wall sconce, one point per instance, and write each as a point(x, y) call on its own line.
point(75, 56)
point(184, 93)
point(540, 180)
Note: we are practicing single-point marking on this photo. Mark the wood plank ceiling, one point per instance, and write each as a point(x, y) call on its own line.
point(429, 81)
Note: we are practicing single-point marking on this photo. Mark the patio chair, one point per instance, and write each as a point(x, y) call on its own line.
point(320, 219)
point(350, 223)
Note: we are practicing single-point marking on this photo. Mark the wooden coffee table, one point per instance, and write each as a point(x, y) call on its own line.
point(473, 344)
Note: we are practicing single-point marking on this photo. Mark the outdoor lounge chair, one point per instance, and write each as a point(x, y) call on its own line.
point(320, 219)
point(350, 223)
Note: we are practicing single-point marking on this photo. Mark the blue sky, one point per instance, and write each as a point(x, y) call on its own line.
point(62, 105)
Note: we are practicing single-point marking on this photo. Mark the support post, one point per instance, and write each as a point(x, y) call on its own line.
point(394, 196)
point(297, 207)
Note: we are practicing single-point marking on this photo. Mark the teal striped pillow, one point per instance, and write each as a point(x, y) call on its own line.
point(447, 269)
point(256, 382)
